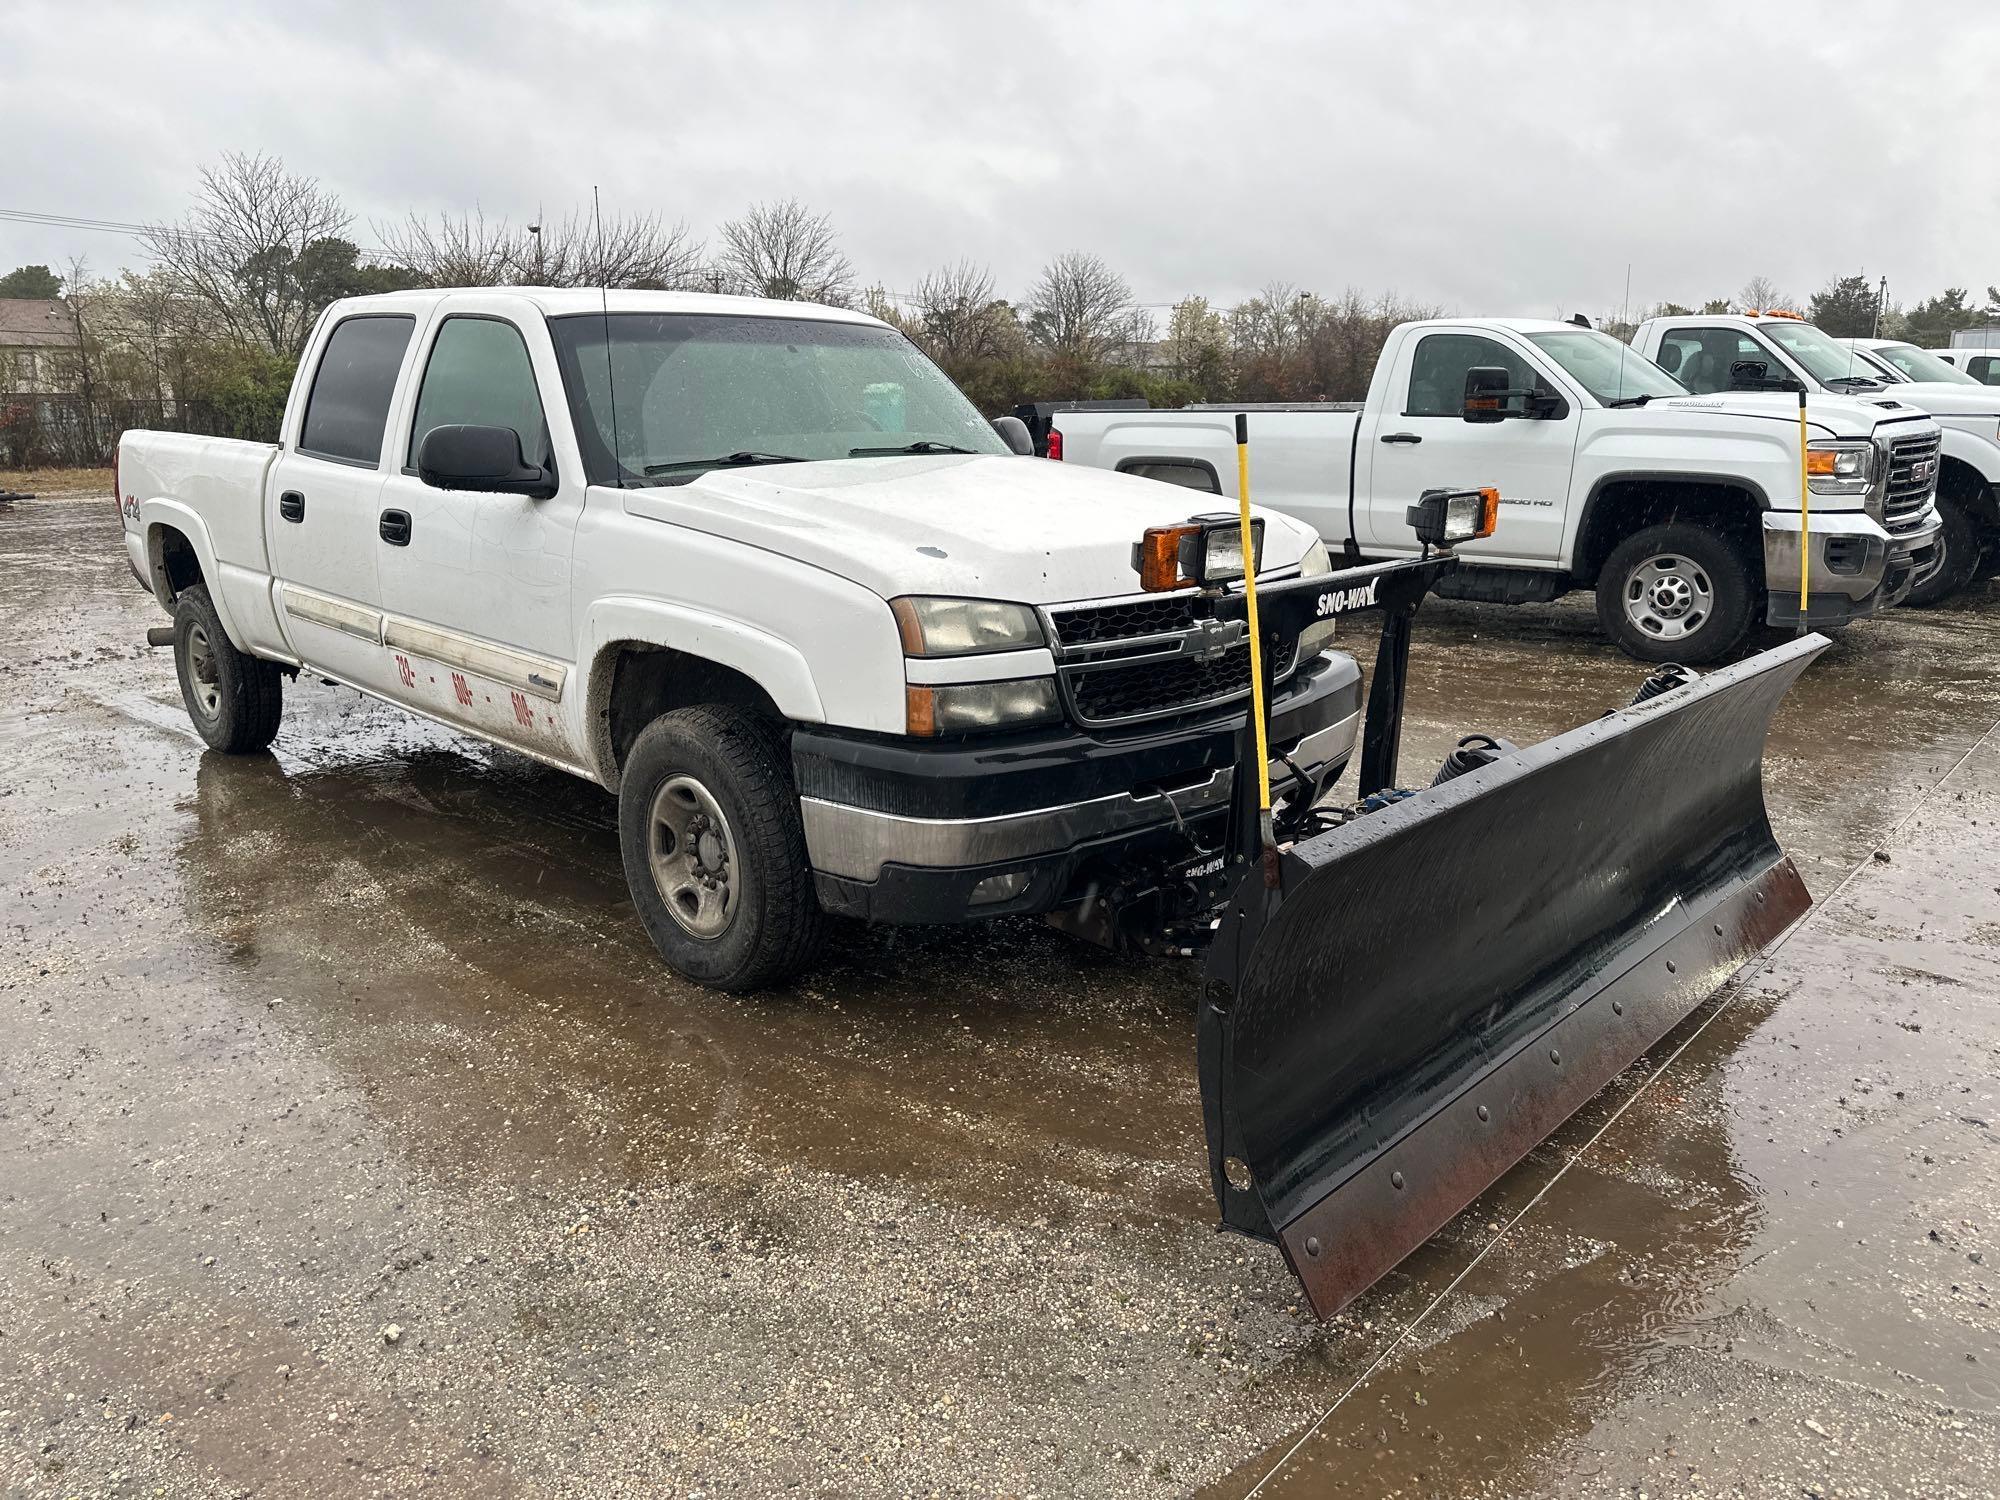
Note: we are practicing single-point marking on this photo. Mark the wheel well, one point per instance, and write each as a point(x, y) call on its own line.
point(176, 566)
point(634, 682)
point(1621, 507)
point(1958, 480)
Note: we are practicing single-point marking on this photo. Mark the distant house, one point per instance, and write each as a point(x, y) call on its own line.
point(36, 335)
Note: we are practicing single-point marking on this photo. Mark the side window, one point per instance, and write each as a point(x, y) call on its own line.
point(1984, 368)
point(479, 374)
point(349, 405)
point(1437, 371)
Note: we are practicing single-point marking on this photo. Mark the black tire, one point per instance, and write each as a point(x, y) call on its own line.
point(1958, 564)
point(691, 765)
point(1711, 574)
point(234, 699)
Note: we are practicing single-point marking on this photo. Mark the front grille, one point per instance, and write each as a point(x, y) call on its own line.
point(1096, 624)
point(1909, 493)
point(1124, 692)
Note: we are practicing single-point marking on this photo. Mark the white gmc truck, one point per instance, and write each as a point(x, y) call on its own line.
point(759, 569)
point(1682, 511)
point(1732, 352)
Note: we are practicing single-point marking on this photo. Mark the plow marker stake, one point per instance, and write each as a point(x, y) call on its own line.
point(1440, 984)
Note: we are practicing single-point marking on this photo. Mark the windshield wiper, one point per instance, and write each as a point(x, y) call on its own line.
point(1629, 401)
point(727, 461)
point(921, 445)
point(1866, 382)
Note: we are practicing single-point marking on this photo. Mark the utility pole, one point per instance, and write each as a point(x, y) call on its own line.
point(1881, 297)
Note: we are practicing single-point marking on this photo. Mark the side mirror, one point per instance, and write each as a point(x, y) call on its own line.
point(488, 459)
point(1755, 375)
point(1015, 432)
point(1487, 388)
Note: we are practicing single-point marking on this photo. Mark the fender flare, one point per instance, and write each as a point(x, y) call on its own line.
point(163, 513)
point(1653, 476)
point(774, 664)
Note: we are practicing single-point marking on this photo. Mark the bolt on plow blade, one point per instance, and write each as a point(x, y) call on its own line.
point(1437, 986)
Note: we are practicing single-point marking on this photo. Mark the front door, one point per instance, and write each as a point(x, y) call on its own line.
point(475, 585)
point(1422, 441)
point(320, 500)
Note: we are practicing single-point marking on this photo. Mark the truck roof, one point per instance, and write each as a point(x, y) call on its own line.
point(557, 302)
point(1513, 325)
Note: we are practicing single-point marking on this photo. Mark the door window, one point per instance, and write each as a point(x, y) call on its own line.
point(479, 375)
point(1984, 368)
point(349, 405)
point(1437, 371)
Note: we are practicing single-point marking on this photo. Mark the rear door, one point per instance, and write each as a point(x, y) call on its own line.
point(320, 500)
point(476, 585)
point(1421, 440)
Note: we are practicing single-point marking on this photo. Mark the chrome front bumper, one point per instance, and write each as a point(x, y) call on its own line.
point(1859, 568)
point(856, 842)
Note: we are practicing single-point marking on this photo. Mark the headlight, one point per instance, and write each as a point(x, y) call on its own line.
point(964, 627)
point(1317, 560)
point(967, 707)
point(1840, 466)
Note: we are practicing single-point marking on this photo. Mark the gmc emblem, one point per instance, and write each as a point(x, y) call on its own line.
point(1922, 469)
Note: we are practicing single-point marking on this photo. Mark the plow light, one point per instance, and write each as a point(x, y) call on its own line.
point(1205, 552)
point(1444, 518)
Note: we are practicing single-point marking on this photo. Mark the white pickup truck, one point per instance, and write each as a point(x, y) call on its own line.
point(759, 569)
point(1724, 354)
point(1681, 511)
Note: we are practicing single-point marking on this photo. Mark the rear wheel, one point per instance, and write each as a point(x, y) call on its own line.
point(234, 699)
point(1676, 592)
point(1956, 561)
point(715, 856)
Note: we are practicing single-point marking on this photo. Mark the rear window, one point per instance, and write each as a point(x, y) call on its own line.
point(349, 405)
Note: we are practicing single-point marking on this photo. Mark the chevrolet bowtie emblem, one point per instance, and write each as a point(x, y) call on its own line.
point(1211, 638)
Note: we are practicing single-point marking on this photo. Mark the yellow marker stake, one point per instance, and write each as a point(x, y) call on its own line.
point(1805, 519)
point(1256, 633)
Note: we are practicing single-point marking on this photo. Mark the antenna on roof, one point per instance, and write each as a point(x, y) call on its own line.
point(604, 306)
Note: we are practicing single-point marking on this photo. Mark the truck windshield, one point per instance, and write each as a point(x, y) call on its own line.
point(1921, 364)
point(1609, 370)
point(1826, 359)
point(702, 391)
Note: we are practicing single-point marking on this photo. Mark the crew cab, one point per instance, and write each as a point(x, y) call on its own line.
point(1725, 354)
point(758, 569)
point(1681, 511)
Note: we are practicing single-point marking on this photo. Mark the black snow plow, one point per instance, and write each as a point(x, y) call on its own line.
point(1404, 995)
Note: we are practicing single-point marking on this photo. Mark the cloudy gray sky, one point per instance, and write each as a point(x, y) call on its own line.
point(1492, 158)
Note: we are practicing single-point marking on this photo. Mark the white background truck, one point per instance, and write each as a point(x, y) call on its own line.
point(1724, 354)
point(759, 569)
point(1682, 512)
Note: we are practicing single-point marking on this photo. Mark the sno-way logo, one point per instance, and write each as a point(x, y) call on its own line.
point(1339, 601)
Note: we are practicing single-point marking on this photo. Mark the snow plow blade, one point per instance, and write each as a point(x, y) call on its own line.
point(1433, 988)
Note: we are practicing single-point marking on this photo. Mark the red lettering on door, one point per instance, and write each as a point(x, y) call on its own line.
point(523, 715)
point(462, 689)
point(405, 671)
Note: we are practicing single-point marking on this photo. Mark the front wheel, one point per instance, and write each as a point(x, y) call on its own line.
point(714, 853)
point(1676, 592)
point(235, 699)
point(1956, 561)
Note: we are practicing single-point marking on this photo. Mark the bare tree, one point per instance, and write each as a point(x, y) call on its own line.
point(787, 251)
point(235, 249)
point(957, 317)
point(469, 250)
point(1081, 311)
point(1760, 294)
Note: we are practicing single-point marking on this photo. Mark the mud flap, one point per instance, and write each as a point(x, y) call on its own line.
point(1434, 987)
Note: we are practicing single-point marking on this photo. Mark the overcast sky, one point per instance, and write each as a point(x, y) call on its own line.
point(1492, 159)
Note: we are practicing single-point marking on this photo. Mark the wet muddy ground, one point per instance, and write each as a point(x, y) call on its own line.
point(362, 1037)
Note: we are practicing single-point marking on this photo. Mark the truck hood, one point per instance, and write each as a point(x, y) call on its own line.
point(1943, 398)
point(957, 524)
point(1837, 416)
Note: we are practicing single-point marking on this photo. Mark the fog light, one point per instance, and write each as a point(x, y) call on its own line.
point(999, 888)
